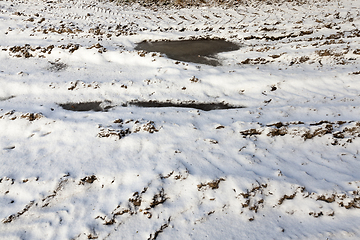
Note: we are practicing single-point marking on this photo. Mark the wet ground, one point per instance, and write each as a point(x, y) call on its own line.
point(85, 106)
point(104, 106)
point(200, 106)
point(197, 51)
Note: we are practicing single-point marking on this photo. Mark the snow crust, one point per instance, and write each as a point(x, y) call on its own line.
point(283, 167)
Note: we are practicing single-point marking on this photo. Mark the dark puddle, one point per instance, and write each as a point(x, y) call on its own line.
point(200, 106)
point(197, 51)
point(86, 106)
point(104, 106)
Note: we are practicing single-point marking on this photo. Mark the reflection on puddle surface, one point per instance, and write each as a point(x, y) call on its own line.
point(104, 106)
point(200, 106)
point(86, 106)
point(196, 51)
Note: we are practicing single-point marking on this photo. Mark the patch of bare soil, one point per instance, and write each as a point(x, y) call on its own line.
point(88, 179)
point(213, 185)
point(121, 128)
point(341, 132)
point(28, 51)
point(155, 235)
point(81, 85)
point(13, 115)
point(13, 217)
point(254, 199)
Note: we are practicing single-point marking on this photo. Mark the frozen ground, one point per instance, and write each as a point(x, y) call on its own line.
point(285, 166)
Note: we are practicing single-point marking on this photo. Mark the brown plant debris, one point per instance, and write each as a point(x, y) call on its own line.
point(88, 179)
point(158, 198)
point(286, 197)
point(213, 184)
point(326, 199)
point(12, 217)
point(12, 115)
point(136, 199)
point(156, 234)
point(250, 132)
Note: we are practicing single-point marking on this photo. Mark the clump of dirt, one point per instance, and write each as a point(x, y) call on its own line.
point(328, 53)
point(60, 186)
point(337, 130)
point(278, 124)
point(147, 127)
point(326, 199)
point(22, 51)
point(125, 128)
point(90, 236)
point(31, 116)
point(177, 176)
point(125, 30)
point(118, 133)
point(155, 235)
point(12, 217)
point(80, 84)
point(12, 115)
point(316, 214)
point(299, 60)
point(277, 38)
point(101, 49)
point(136, 199)
point(194, 79)
point(254, 198)
point(250, 132)
point(28, 51)
point(258, 60)
point(134, 204)
point(167, 176)
point(213, 184)
point(286, 197)
point(277, 132)
point(158, 198)
point(88, 179)
point(62, 29)
point(71, 47)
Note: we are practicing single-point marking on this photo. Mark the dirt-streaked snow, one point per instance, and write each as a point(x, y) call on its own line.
point(284, 165)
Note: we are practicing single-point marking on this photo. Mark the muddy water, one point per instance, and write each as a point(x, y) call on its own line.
point(197, 51)
point(104, 107)
point(200, 106)
point(85, 106)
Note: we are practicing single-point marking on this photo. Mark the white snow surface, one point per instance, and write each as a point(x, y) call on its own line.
point(283, 166)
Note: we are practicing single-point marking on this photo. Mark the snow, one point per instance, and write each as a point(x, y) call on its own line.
point(283, 165)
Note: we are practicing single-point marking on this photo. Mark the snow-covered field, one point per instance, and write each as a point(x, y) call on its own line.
point(283, 166)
